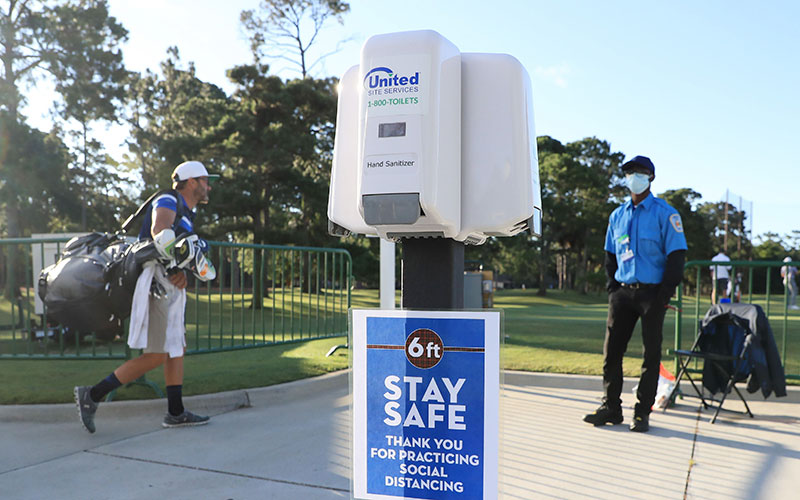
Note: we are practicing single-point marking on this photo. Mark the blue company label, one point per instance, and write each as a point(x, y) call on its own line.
point(425, 407)
point(385, 77)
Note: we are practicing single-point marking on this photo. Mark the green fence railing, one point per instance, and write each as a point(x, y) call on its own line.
point(753, 282)
point(263, 295)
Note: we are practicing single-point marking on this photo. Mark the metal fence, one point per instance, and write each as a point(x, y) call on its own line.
point(263, 295)
point(753, 282)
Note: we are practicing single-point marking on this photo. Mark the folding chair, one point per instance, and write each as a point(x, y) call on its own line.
point(722, 346)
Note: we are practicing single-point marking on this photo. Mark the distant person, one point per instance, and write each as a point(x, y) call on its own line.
point(645, 252)
point(735, 288)
point(720, 276)
point(162, 338)
point(788, 273)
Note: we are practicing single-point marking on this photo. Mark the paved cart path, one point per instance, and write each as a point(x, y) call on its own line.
point(291, 441)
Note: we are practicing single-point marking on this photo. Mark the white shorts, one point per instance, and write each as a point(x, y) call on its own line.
point(157, 325)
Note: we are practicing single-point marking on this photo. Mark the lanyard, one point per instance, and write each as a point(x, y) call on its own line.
point(625, 239)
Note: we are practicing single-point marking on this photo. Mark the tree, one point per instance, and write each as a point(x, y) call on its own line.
point(714, 213)
point(91, 83)
point(34, 45)
point(67, 42)
point(41, 195)
point(697, 227)
point(793, 240)
point(597, 183)
point(771, 247)
point(552, 159)
point(288, 30)
point(272, 141)
point(579, 183)
point(516, 257)
point(173, 118)
point(279, 146)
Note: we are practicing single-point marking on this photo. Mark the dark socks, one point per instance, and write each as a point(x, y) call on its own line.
point(175, 399)
point(103, 387)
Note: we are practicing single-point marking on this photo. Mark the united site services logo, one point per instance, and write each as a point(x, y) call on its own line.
point(382, 77)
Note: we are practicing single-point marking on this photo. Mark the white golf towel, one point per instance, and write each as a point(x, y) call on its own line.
point(140, 317)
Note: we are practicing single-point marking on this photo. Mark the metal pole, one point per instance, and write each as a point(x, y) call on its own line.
point(678, 325)
point(741, 228)
point(387, 274)
point(725, 238)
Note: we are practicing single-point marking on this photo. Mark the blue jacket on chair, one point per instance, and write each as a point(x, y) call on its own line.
point(747, 325)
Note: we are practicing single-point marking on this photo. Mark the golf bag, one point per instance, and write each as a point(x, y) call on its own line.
point(90, 288)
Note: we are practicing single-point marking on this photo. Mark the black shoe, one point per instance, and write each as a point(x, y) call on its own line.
point(86, 407)
point(604, 415)
point(185, 419)
point(641, 423)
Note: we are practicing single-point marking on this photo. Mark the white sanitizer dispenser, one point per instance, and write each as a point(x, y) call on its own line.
point(344, 216)
point(409, 135)
point(500, 193)
point(434, 143)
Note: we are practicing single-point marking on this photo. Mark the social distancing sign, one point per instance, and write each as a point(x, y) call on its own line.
point(425, 404)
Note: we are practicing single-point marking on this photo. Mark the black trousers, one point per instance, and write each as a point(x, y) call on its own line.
point(625, 307)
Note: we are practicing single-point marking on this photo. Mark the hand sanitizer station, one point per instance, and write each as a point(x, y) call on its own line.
point(435, 149)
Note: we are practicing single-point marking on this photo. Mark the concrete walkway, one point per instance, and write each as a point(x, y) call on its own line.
point(292, 442)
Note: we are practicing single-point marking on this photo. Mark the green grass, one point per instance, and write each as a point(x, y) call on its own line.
point(560, 333)
point(51, 381)
point(563, 332)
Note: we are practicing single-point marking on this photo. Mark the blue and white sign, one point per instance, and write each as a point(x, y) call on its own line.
point(425, 404)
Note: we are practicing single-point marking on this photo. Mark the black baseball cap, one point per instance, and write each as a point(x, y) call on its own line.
point(639, 161)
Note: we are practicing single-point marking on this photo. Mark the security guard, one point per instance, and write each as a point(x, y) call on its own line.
point(645, 252)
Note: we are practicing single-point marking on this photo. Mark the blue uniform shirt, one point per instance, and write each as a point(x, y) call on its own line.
point(168, 200)
point(642, 237)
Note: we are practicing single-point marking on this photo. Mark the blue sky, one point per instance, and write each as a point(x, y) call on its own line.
point(708, 89)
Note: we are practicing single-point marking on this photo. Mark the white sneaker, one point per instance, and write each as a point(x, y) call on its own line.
point(794, 307)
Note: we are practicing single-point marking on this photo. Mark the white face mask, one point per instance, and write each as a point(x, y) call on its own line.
point(637, 182)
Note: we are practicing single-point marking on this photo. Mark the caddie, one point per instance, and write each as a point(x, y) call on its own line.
point(645, 252)
point(157, 322)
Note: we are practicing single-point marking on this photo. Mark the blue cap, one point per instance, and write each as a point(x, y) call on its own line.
point(639, 161)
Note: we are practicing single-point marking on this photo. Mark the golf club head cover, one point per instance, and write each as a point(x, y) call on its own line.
point(184, 251)
point(203, 268)
point(165, 243)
